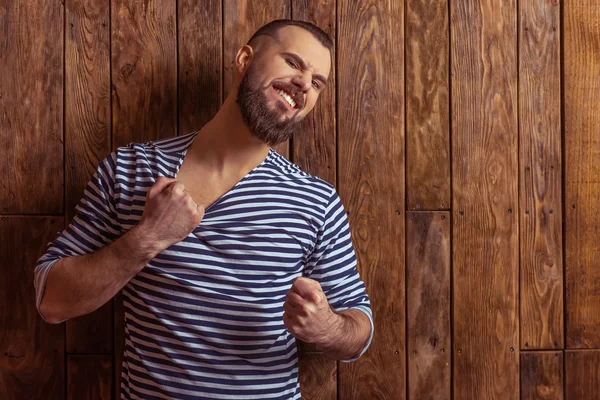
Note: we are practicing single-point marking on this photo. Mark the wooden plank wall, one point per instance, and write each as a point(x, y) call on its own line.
point(485, 203)
point(462, 136)
point(371, 183)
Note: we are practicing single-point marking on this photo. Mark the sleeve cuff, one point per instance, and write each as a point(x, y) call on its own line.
point(39, 282)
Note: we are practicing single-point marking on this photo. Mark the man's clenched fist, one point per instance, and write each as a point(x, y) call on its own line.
point(307, 314)
point(170, 214)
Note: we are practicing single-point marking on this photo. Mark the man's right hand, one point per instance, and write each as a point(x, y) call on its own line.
point(169, 216)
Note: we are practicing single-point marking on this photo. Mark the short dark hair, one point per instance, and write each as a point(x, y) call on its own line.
point(272, 27)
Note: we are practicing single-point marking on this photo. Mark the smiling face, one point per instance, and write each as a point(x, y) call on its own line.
point(286, 75)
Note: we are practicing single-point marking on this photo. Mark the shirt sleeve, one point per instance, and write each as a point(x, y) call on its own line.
point(333, 264)
point(94, 225)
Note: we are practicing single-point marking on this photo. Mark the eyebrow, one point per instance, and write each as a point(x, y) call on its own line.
point(300, 61)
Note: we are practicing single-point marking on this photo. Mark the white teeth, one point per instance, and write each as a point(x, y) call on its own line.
point(287, 98)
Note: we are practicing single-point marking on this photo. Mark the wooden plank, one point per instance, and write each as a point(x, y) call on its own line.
point(485, 202)
point(428, 304)
point(318, 376)
point(371, 183)
point(31, 350)
point(200, 69)
point(540, 176)
point(582, 172)
point(89, 377)
point(427, 105)
point(241, 18)
point(582, 374)
point(87, 138)
point(144, 70)
point(31, 107)
point(542, 375)
point(119, 341)
point(314, 152)
point(91, 333)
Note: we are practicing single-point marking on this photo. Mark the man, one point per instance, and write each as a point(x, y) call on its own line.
point(226, 252)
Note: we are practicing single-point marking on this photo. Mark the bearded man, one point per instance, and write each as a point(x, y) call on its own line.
point(225, 251)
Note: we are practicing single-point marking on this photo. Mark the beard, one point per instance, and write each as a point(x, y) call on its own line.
point(264, 123)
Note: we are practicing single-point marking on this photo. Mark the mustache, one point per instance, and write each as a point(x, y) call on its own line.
point(293, 91)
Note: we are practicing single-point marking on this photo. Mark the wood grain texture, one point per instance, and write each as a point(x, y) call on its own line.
point(152, 98)
point(89, 377)
point(31, 350)
point(428, 305)
point(119, 341)
point(582, 374)
point(31, 107)
point(91, 333)
point(87, 137)
point(371, 183)
point(542, 375)
point(144, 71)
point(485, 202)
point(241, 18)
point(427, 105)
point(582, 172)
point(541, 282)
point(314, 152)
point(200, 56)
point(318, 376)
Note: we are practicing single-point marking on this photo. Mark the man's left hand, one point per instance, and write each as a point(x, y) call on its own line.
point(307, 314)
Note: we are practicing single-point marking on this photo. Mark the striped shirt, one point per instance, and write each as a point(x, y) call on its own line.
point(203, 319)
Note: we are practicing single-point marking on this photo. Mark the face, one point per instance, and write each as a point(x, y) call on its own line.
point(282, 84)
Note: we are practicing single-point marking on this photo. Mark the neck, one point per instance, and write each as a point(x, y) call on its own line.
point(225, 145)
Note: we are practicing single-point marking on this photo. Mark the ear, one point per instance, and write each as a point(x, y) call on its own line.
point(244, 58)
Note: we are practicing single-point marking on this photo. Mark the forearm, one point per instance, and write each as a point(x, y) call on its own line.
point(79, 285)
point(348, 337)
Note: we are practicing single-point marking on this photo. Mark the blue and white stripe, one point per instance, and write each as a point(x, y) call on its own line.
point(203, 319)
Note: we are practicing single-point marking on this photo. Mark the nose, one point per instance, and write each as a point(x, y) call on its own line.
point(303, 81)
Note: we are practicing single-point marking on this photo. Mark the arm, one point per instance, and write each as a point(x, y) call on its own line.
point(91, 260)
point(80, 284)
point(342, 335)
point(71, 276)
point(348, 337)
point(330, 306)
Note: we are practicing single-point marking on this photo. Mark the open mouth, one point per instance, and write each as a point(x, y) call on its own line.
point(287, 97)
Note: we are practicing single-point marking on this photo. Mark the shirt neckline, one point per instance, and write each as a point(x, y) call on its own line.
point(246, 177)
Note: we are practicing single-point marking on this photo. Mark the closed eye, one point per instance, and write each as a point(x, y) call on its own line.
point(291, 63)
